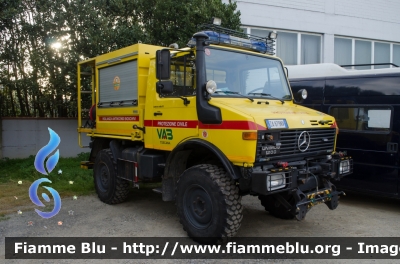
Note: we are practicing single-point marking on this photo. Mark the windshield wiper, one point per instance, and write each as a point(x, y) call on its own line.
point(264, 94)
point(229, 92)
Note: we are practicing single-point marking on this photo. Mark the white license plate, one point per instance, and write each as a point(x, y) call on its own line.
point(276, 123)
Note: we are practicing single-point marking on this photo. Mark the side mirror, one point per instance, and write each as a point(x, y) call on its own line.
point(164, 87)
point(300, 96)
point(163, 64)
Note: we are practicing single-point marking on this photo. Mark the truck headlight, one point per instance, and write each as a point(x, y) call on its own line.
point(344, 166)
point(276, 181)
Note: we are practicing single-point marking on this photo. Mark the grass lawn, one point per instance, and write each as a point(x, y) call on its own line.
point(15, 196)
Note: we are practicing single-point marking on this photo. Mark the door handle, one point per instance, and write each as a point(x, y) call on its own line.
point(157, 113)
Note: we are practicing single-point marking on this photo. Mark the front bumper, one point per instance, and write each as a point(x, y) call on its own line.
point(309, 182)
point(313, 172)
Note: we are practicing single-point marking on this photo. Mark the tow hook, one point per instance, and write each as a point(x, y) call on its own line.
point(328, 196)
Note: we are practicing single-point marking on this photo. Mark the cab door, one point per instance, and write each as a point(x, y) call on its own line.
point(174, 114)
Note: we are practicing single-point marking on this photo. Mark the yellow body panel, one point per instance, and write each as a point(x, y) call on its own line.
point(119, 121)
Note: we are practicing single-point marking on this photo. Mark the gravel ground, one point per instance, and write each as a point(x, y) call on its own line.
point(146, 215)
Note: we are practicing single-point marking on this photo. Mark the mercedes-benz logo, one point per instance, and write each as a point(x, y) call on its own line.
point(304, 141)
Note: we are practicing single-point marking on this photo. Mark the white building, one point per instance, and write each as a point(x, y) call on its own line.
point(319, 31)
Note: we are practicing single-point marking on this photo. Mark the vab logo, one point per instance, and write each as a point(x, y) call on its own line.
point(50, 164)
point(165, 134)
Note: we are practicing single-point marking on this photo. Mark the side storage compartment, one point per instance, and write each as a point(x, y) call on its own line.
point(149, 169)
point(137, 164)
point(128, 164)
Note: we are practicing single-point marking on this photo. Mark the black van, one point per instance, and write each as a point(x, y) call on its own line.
point(366, 105)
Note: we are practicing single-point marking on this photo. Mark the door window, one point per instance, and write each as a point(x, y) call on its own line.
point(182, 76)
point(363, 118)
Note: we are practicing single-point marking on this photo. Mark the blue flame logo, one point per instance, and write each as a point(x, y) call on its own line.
point(45, 151)
point(35, 199)
point(50, 165)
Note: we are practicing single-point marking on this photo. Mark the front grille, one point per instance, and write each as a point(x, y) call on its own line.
point(322, 142)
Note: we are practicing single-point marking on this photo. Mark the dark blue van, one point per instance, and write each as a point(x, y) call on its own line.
point(366, 105)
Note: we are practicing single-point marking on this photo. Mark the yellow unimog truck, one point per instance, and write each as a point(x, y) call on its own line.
point(213, 121)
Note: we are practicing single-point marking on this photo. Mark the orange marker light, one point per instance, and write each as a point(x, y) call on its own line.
point(249, 135)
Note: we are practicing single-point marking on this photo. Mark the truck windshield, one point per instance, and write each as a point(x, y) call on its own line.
point(239, 74)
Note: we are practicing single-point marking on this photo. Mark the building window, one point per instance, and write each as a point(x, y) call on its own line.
point(349, 51)
point(260, 32)
point(343, 51)
point(292, 47)
point(310, 49)
point(396, 54)
point(381, 54)
point(286, 47)
point(362, 54)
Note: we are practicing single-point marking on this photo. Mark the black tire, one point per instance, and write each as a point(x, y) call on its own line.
point(209, 205)
point(275, 208)
point(109, 188)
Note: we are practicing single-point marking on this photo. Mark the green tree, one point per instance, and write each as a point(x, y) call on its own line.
point(38, 78)
point(170, 21)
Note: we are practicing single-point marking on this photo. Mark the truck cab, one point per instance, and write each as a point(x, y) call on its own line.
point(212, 122)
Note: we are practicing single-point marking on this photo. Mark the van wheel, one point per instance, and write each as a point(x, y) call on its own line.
point(275, 208)
point(109, 188)
point(208, 203)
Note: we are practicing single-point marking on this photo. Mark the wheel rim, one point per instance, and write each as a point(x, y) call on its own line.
point(197, 206)
point(103, 176)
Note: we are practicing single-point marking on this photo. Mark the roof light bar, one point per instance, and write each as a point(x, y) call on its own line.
point(219, 38)
point(224, 36)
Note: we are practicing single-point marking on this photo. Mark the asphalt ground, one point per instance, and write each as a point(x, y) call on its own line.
point(144, 214)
